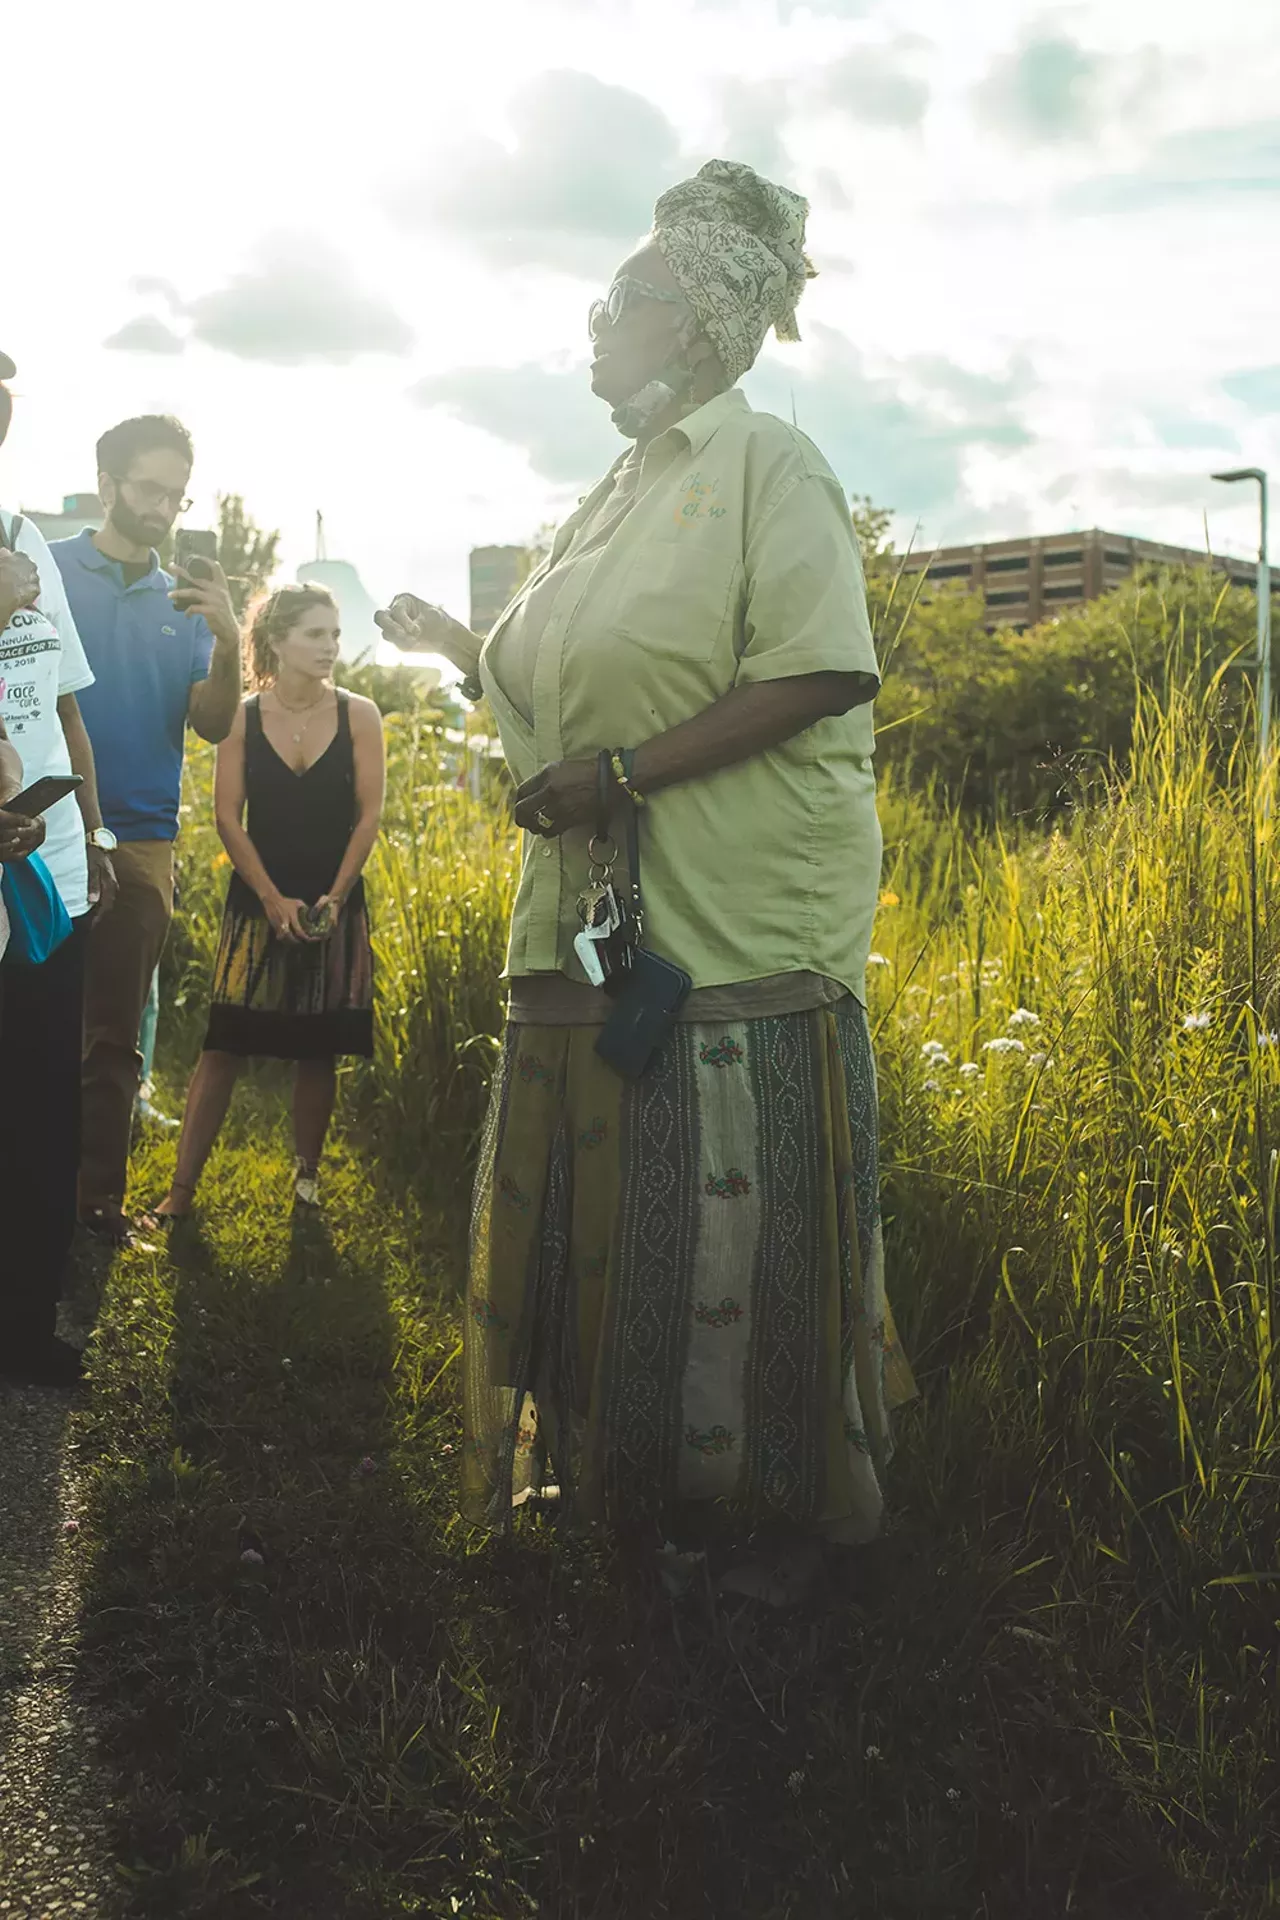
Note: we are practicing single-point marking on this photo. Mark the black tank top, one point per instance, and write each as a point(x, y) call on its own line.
point(300, 823)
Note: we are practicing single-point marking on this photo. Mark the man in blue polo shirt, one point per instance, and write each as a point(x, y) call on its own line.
point(164, 653)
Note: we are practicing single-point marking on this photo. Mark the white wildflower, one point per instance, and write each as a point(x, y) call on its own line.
point(1037, 1059)
point(877, 960)
point(933, 1086)
point(1268, 1039)
point(1003, 1045)
point(933, 1050)
point(968, 1068)
point(1022, 1017)
point(1195, 1022)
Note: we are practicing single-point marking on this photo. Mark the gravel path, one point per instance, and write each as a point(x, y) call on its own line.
point(55, 1857)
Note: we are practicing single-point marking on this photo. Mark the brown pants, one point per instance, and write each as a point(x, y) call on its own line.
point(124, 948)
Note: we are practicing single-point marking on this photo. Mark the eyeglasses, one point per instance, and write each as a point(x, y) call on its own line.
point(624, 293)
point(155, 495)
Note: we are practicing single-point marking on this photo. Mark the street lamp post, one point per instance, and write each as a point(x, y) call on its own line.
point(1264, 607)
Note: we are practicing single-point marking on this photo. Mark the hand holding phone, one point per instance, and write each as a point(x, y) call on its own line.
point(18, 836)
point(195, 551)
point(202, 588)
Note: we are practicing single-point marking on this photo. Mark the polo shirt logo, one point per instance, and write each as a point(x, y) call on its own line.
point(171, 631)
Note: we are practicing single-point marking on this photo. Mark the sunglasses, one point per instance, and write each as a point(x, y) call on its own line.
point(625, 292)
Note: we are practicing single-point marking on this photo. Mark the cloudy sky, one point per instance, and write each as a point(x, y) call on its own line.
point(353, 247)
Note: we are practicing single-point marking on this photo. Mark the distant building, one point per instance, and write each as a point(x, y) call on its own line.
point(79, 511)
point(496, 573)
point(1024, 581)
point(355, 606)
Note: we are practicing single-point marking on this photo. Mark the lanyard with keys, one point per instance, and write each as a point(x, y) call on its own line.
point(605, 941)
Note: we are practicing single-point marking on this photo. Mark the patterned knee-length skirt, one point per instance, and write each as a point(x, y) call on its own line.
point(284, 1001)
point(676, 1289)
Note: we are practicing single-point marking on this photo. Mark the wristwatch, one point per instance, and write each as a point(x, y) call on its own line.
point(103, 839)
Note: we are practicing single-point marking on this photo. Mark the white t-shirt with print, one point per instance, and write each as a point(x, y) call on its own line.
point(40, 659)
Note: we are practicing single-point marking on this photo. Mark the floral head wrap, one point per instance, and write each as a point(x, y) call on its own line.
point(735, 244)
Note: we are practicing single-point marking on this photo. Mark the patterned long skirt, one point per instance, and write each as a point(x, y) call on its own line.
point(676, 1290)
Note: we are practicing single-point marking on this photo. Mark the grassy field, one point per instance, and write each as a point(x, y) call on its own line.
point(1049, 1689)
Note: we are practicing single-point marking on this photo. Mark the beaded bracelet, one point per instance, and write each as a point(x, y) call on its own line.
point(622, 759)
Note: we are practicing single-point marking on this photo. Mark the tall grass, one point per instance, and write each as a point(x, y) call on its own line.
point(1080, 1081)
point(1081, 1091)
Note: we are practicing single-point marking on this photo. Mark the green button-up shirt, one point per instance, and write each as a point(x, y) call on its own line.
point(736, 563)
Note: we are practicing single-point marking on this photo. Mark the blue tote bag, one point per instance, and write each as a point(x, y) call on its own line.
point(38, 921)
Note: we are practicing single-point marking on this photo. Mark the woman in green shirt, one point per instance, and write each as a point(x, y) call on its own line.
point(676, 1297)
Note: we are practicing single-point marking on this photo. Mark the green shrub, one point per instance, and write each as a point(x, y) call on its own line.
point(1016, 722)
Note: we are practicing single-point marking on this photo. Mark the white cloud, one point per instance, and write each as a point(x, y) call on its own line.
point(1190, 168)
point(145, 334)
point(299, 303)
point(996, 309)
point(549, 413)
point(575, 185)
point(880, 86)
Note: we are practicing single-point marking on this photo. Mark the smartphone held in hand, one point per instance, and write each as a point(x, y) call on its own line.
point(43, 794)
point(196, 552)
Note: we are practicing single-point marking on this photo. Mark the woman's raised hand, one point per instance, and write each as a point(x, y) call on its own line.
point(415, 626)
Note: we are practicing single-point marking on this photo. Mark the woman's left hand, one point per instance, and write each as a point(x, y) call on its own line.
point(560, 797)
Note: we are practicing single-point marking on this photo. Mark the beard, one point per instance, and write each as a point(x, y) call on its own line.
point(134, 528)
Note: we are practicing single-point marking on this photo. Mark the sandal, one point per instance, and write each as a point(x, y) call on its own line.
point(159, 1222)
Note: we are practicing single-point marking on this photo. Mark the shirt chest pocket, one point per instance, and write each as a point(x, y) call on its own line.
point(677, 597)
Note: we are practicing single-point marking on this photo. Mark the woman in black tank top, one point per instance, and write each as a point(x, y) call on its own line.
point(298, 796)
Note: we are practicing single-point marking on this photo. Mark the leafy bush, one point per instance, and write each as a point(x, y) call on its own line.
point(1008, 721)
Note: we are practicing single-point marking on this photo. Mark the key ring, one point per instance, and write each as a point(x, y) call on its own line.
point(602, 864)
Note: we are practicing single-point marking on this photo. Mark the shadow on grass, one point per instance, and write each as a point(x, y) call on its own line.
point(326, 1698)
point(243, 1505)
